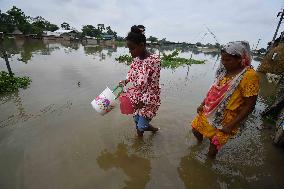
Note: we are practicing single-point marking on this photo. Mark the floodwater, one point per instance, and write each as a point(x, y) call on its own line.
point(50, 137)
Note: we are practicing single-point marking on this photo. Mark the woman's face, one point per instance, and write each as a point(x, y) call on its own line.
point(135, 49)
point(231, 62)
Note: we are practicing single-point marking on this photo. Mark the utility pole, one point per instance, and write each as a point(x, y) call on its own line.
point(281, 14)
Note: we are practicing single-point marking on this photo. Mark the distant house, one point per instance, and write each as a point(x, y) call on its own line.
point(48, 35)
point(90, 40)
point(152, 43)
point(17, 34)
point(108, 37)
point(32, 36)
point(107, 40)
point(65, 35)
point(17, 31)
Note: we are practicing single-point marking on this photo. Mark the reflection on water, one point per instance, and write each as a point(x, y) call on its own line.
point(193, 175)
point(136, 168)
point(21, 115)
point(50, 134)
point(245, 149)
point(26, 48)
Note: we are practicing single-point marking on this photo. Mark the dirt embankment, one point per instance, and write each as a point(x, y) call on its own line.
point(273, 65)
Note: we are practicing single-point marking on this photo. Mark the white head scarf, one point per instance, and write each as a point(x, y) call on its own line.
point(240, 48)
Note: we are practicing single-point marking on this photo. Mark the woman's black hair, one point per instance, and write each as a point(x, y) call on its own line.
point(136, 34)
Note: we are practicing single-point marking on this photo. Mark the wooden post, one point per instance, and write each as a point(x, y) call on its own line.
point(279, 23)
point(8, 64)
point(5, 56)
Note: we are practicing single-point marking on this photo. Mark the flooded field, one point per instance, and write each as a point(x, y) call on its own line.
point(50, 137)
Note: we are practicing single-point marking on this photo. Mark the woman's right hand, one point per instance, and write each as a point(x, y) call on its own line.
point(200, 108)
point(123, 82)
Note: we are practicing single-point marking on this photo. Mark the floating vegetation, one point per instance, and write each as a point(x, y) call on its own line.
point(12, 83)
point(124, 59)
point(172, 61)
point(167, 61)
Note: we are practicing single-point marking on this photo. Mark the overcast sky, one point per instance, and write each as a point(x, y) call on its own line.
point(178, 20)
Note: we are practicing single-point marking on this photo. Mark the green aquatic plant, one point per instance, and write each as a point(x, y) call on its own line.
point(10, 83)
point(167, 61)
point(124, 59)
point(172, 61)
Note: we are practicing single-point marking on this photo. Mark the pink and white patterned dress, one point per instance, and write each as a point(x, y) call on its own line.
point(145, 77)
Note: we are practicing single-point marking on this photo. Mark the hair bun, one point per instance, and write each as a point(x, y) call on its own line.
point(140, 29)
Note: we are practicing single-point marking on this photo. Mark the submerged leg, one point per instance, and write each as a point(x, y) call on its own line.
point(144, 125)
point(212, 151)
point(151, 128)
point(136, 119)
point(197, 135)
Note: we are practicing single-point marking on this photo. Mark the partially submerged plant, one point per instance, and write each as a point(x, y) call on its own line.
point(124, 59)
point(172, 61)
point(167, 61)
point(10, 83)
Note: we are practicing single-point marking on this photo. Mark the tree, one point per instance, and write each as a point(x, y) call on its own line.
point(101, 27)
point(153, 39)
point(19, 19)
point(65, 26)
point(209, 45)
point(52, 27)
point(217, 45)
point(6, 24)
point(164, 40)
point(121, 39)
point(15, 17)
point(39, 24)
point(198, 44)
point(109, 31)
point(90, 30)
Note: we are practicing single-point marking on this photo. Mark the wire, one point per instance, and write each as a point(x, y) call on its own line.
point(214, 36)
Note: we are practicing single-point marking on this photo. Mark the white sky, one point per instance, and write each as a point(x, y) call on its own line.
point(179, 20)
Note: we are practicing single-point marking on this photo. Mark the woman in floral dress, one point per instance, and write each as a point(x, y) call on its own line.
point(144, 75)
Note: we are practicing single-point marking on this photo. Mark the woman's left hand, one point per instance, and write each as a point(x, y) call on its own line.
point(226, 129)
point(247, 108)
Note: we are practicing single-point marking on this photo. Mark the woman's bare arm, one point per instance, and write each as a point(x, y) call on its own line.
point(247, 108)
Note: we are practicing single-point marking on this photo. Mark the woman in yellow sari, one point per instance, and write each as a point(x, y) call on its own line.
point(230, 99)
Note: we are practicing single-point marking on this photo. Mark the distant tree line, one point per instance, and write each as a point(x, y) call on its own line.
point(16, 18)
point(92, 31)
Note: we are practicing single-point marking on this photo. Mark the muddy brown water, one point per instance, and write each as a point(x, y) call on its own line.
point(50, 137)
